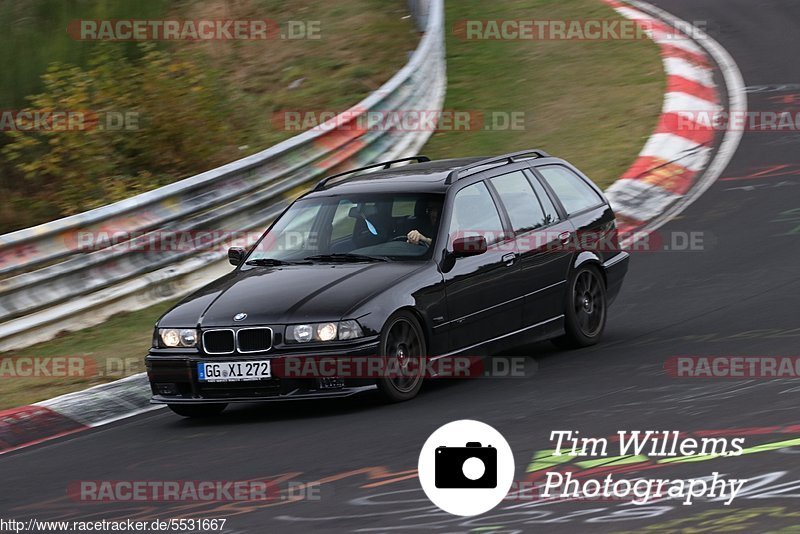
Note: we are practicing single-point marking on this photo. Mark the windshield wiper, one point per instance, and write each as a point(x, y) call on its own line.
point(270, 262)
point(345, 257)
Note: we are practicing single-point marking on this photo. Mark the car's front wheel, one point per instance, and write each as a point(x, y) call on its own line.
point(403, 349)
point(197, 410)
point(585, 309)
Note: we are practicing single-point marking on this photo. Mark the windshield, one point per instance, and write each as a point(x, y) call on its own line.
point(358, 227)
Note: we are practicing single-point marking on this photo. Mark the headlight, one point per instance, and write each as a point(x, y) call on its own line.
point(188, 338)
point(303, 333)
point(350, 330)
point(326, 331)
point(174, 337)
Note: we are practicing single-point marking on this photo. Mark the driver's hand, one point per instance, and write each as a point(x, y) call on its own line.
point(414, 237)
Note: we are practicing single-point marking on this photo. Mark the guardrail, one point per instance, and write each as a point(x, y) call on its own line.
point(50, 283)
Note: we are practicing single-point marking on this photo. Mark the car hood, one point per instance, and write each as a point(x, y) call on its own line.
point(276, 295)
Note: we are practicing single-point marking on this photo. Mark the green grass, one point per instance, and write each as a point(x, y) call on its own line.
point(362, 44)
point(593, 103)
point(115, 349)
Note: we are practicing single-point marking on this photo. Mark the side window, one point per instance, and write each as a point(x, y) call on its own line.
point(403, 207)
point(520, 201)
point(474, 213)
point(571, 190)
point(550, 211)
point(343, 224)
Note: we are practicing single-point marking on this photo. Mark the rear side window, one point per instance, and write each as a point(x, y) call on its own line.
point(474, 213)
point(520, 201)
point(571, 190)
point(550, 211)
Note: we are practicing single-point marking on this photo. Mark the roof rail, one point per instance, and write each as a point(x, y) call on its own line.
point(455, 175)
point(385, 164)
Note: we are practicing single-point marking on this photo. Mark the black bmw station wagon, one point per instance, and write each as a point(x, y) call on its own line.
point(416, 262)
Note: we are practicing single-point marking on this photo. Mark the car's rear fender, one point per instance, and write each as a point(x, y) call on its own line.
point(613, 269)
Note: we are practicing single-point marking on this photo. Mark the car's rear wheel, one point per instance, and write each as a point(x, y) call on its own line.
point(197, 410)
point(403, 348)
point(585, 309)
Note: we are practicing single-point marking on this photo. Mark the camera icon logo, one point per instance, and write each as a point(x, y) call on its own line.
point(472, 466)
point(466, 467)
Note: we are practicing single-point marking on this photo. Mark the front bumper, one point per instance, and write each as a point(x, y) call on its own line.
point(173, 378)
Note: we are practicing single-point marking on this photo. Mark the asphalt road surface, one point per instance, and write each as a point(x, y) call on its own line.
point(740, 295)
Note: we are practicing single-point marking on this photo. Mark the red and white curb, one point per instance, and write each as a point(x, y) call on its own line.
point(676, 158)
point(74, 412)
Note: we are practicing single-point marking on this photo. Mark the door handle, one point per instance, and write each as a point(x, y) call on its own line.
point(564, 238)
point(509, 259)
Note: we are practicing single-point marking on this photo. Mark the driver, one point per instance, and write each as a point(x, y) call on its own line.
point(429, 223)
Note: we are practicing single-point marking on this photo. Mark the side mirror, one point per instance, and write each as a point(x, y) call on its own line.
point(469, 246)
point(236, 255)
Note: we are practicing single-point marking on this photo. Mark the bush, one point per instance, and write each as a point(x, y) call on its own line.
point(178, 125)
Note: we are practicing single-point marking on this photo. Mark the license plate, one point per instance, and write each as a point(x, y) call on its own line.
point(233, 371)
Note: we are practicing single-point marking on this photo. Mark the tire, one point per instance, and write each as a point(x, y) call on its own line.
point(197, 410)
point(402, 339)
point(585, 309)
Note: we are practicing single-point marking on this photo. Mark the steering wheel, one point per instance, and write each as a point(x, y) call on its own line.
point(405, 238)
